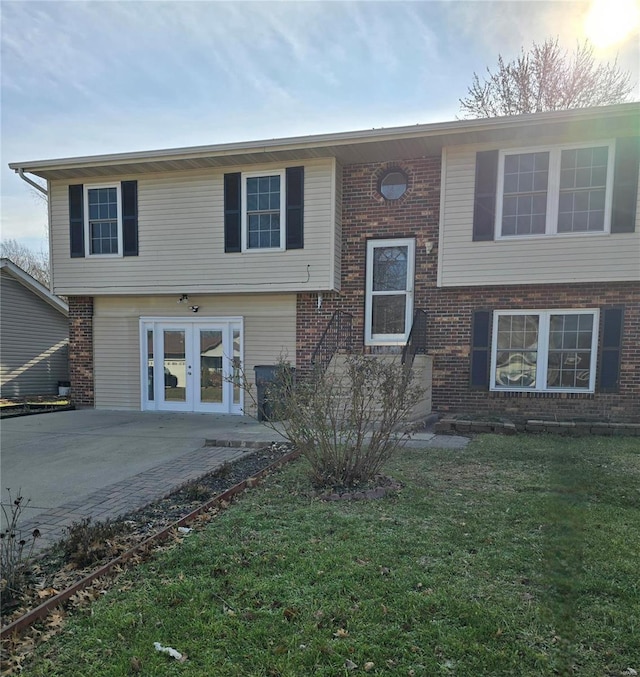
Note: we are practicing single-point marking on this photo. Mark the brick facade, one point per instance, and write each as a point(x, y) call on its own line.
point(366, 215)
point(81, 350)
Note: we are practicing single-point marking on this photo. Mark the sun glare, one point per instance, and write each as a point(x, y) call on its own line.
point(610, 22)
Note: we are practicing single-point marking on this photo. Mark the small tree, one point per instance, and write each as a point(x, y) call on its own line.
point(34, 263)
point(546, 78)
point(345, 419)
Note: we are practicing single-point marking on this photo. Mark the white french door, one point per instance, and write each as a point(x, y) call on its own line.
point(191, 365)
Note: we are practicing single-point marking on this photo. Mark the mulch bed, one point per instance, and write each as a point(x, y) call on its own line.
point(52, 572)
point(33, 405)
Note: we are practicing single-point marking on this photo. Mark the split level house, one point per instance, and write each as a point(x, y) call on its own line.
point(502, 255)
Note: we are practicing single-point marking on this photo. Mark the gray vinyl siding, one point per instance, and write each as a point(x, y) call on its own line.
point(269, 332)
point(34, 339)
point(181, 240)
point(539, 260)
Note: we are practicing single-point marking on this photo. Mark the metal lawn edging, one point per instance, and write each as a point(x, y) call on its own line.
point(43, 609)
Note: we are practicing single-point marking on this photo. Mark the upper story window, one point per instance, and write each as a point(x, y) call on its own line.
point(393, 185)
point(103, 219)
point(263, 219)
point(264, 211)
point(544, 350)
point(554, 191)
point(103, 222)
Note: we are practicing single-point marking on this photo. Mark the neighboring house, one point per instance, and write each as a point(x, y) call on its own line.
point(34, 335)
point(519, 238)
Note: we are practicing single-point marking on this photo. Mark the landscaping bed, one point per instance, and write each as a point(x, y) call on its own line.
point(517, 555)
point(468, 425)
point(35, 405)
point(89, 546)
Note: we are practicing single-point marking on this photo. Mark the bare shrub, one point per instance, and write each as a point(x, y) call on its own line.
point(344, 420)
point(15, 549)
point(87, 542)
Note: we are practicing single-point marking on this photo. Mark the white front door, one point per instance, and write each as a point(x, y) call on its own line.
point(192, 365)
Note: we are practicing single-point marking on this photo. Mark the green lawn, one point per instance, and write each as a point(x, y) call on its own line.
point(517, 556)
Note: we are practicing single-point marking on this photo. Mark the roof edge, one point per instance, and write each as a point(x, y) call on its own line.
point(332, 139)
point(33, 285)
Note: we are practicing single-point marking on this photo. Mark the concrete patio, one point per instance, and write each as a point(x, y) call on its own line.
point(101, 464)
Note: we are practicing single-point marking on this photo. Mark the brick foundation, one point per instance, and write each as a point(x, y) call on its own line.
point(366, 215)
point(81, 350)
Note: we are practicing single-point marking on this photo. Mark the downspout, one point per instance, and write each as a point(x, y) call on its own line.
point(45, 192)
point(31, 182)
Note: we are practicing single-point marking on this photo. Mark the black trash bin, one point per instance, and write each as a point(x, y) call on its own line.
point(268, 387)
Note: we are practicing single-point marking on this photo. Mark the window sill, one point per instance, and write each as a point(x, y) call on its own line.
point(542, 236)
point(563, 394)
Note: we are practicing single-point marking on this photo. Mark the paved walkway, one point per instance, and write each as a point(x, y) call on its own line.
point(102, 464)
point(127, 495)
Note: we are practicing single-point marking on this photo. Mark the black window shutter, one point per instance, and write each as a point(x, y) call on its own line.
point(484, 206)
point(295, 207)
point(129, 191)
point(232, 214)
point(76, 220)
point(480, 349)
point(625, 185)
point(610, 349)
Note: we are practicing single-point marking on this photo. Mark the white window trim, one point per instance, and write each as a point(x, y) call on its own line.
point(87, 234)
point(389, 339)
point(553, 189)
point(543, 349)
point(283, 211)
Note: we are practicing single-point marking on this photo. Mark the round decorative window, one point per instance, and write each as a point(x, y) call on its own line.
point(393, 185)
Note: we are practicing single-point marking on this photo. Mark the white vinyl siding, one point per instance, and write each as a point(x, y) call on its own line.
point(181, 240)
point(563, 258)
point(269, 332)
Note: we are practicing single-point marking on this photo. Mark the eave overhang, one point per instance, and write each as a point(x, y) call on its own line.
point(376, 145)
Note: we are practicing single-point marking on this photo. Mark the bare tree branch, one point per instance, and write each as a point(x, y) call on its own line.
point(546, 78)
point(34, 263)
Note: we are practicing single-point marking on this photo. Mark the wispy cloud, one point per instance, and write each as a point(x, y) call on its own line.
point(84, 77)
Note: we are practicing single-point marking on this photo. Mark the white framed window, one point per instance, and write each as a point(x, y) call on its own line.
point(555, 191)
point(103, 220)
point(389, 291)
point(264, 211)
point(544, 350)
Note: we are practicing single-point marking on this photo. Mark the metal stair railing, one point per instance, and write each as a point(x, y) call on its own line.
point(417, 341)
point(338, 335)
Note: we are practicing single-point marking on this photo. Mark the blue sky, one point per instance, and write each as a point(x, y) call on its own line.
point(84, 78)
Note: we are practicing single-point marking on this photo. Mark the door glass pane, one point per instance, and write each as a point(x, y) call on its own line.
point(236, 367)
point(390, 269)
point(150, 365)
point(211, 355)
point(175, 372)
point(388, 316)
